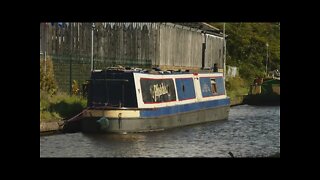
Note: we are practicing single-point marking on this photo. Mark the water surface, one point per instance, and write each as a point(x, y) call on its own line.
point(250, 131)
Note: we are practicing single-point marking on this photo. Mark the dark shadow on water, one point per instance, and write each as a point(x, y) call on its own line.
point(107, 137)
point(141, 136)
point(50, 133)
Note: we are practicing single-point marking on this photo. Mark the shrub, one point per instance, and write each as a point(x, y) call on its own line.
point(236, 86)
point(47, 81)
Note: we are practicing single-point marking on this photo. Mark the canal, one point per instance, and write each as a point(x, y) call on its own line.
point(250, 131)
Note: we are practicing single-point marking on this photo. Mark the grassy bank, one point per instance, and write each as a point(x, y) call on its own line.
point(55, 105)
point(59, 106)
point(236, 87)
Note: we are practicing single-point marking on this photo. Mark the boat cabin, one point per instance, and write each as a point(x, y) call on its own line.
point(139, 89)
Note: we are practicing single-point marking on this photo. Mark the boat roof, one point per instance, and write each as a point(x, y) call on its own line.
point(154, 72)
point(120, 69)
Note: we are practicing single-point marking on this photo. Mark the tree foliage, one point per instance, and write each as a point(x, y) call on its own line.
point(246, 47)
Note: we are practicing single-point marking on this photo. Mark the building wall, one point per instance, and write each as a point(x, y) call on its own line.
point(214, 51)
point(181, 47)
point(126, 44)
point(114, 43)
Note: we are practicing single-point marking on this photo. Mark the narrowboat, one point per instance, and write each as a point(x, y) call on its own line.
point(264, 92)
point(124, 101)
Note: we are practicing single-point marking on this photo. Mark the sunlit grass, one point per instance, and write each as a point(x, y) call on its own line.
point(59, 106)
point(236, 88)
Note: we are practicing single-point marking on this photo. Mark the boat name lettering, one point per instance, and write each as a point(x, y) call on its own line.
point(157, 90)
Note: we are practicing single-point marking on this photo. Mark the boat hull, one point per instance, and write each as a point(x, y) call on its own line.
point(263, 100)
point(127, 125)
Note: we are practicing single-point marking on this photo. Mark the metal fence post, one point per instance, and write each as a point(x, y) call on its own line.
point(45, 62)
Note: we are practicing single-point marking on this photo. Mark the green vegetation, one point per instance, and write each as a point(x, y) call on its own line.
point(47, 81)
point(55, 105)
point(236, 86)
point(247, 50)
point(60, 106)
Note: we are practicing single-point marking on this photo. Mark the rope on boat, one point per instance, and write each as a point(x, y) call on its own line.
point(76, 117)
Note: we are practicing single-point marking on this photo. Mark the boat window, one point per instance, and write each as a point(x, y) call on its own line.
point(213, 86)
point(185, 88)
point(157, 90)
point(112, 89)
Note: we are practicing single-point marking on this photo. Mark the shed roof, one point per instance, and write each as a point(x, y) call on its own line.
point(207, 28)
